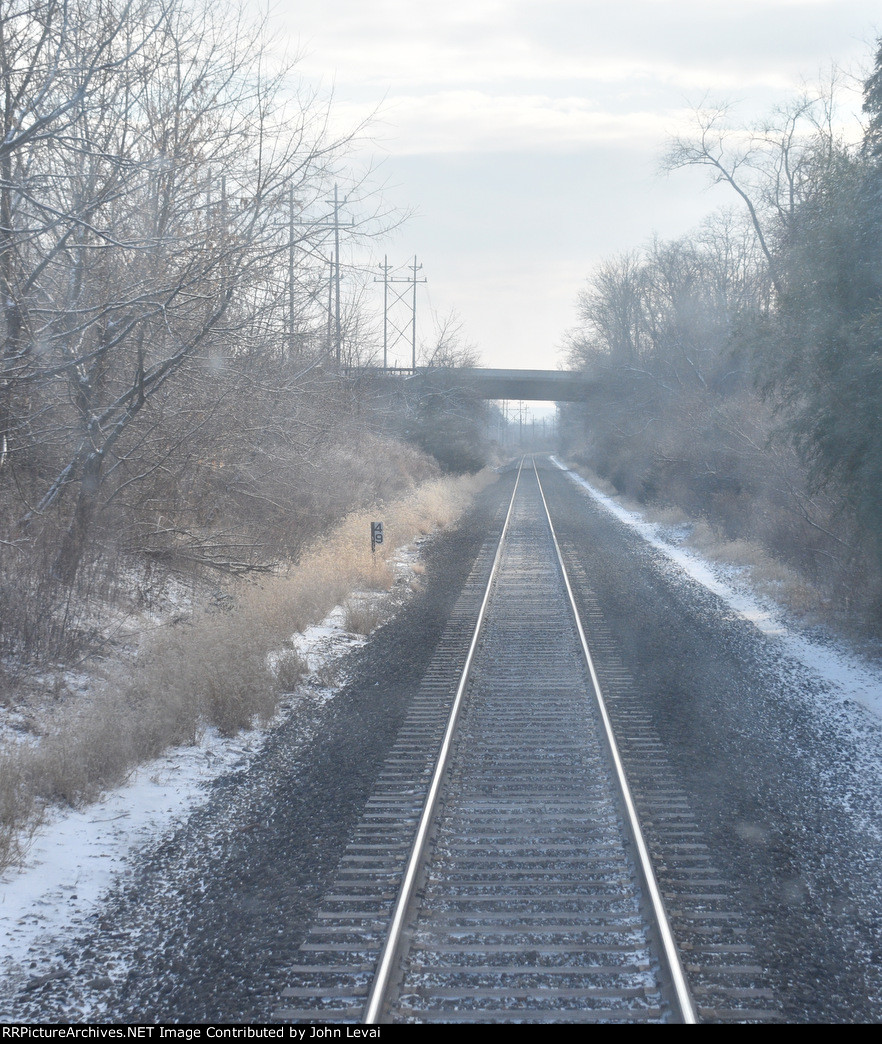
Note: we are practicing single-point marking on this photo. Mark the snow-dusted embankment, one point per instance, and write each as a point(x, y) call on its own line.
point(847, 676)
point(77, 856)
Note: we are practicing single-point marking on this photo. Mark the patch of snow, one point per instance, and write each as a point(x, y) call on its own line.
point(844, 672)
point(320, 645)
point(77, 855)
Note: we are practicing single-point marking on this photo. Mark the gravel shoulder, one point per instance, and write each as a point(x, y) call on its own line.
point(204, 924)
point(780, 766)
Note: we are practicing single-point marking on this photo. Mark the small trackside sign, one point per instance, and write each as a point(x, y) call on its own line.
point(376, 534)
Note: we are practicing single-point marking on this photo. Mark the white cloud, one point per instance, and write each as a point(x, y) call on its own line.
point(476, 121)
point(532, 128)
point(393, 46)
point(491, 75)
point(422, 65)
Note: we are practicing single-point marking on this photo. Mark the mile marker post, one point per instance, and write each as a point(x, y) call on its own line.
point(376, 536)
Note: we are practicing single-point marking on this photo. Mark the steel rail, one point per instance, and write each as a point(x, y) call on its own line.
point(671, 955)
point(390, 948)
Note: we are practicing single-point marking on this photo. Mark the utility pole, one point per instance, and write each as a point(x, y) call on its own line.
point(413, 334)
point(410, 281)
point(334, 311)
point(291, 269)
point(385, 268)
point(330, 301)
point(339, 336)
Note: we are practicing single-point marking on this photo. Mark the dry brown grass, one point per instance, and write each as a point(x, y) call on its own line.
point(767, 575)
point(222, 668)
point(289, 670)
point(597, 481)
point(363, 615)
point(18, 808)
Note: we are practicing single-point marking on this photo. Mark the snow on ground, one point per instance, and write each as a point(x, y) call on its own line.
point(77, 855)
point(847, 676)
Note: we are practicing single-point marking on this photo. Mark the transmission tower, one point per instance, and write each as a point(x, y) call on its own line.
point(398, 297)
point(334, 313)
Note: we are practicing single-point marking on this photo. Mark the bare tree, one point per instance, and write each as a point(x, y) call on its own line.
point(56, 57)
point(772, 167)
point(153, 214)
point(449, 347)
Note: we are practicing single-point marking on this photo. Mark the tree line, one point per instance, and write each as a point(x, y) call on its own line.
point(169, 390)
point(737, 370)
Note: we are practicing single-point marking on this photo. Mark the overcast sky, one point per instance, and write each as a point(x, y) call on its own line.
point(526, 134)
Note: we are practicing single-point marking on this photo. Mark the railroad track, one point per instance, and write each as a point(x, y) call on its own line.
point(499, 873)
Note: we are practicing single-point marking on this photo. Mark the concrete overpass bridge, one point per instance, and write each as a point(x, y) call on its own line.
point(532, 385)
